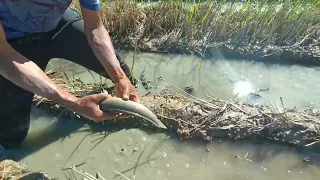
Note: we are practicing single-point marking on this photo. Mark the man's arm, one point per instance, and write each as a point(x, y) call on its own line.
point(100, 42)
point(99, 39)
point(27, 75)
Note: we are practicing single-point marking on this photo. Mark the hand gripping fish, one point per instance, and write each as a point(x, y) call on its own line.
point(115, 104)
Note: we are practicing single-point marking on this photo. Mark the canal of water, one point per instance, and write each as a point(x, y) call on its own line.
point(53, 145)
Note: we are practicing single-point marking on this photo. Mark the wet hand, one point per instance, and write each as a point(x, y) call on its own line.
point(125, 90)
point(88, 107)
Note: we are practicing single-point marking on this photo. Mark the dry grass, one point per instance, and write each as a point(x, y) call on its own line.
point(254, 25)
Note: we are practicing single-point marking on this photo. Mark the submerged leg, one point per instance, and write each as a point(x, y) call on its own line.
point(71, 43)
point(16, 103)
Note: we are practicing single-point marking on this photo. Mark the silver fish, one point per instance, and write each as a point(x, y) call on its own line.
point(115, 104)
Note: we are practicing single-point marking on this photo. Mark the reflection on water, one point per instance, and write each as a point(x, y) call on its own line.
point(225, 78)
point(243, 88)
point(145, 155)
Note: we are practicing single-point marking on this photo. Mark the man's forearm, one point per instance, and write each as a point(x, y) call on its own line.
point(27, 75)
point(102, 47)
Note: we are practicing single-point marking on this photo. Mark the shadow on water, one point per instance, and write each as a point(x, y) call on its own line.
point(232, 152)
point(58, 129)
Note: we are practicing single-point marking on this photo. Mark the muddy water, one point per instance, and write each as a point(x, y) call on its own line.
point(226, 78)
point(254, 82)
point(143, 155)
point(53, 145)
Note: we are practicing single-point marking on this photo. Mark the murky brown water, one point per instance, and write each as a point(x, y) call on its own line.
point(297, 85)
point(140, 155)
point(160, 157)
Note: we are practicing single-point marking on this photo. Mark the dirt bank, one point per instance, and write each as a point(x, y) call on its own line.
point(11, 170)
point(192, 118)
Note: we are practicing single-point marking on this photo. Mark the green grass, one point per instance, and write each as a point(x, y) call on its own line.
point(210, 23)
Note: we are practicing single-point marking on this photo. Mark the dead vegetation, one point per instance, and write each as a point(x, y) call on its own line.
point(287, 28)
point(192, 118)
point(11, 170)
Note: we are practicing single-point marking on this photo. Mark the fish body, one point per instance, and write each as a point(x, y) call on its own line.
point(115, 104)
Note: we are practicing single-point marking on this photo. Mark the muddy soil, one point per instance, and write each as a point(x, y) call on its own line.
point(11, 170)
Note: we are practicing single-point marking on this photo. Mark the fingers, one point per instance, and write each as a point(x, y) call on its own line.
point(104, 91)
point(125, 93)
point(122, 92)
point(134, 97)
point(102, 96)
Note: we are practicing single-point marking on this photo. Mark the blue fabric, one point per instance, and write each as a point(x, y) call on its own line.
point(22, 17)
point(90, 4)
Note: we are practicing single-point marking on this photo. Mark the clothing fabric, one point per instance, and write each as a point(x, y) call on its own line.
point(3, 154)
point(22, 17)
point(70, 43)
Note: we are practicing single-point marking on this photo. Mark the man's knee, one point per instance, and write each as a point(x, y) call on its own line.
point(15, 109)
point(13, 131)
point(70, 15)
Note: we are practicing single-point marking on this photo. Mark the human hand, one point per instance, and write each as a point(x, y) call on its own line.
point(125, 90)
point(88, 107)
